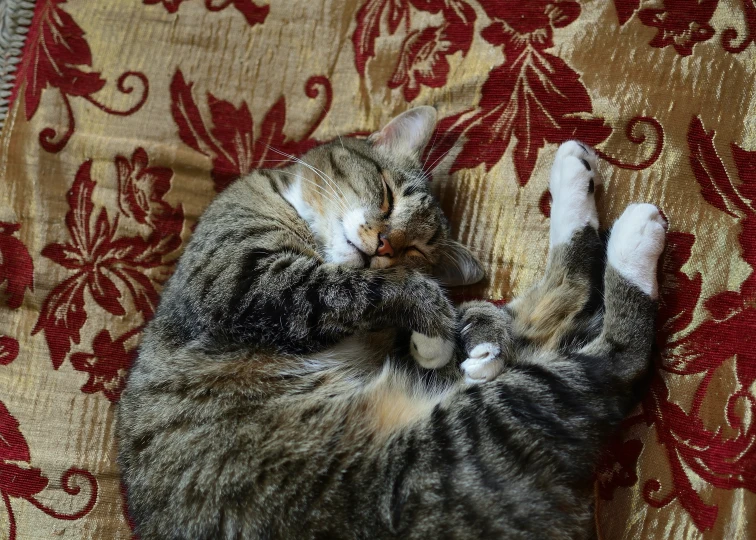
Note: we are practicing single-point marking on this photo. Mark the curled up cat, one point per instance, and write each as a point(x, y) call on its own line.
point(305, 375)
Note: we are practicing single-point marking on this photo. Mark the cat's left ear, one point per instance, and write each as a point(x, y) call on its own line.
point(456, 266)
point(407, 134)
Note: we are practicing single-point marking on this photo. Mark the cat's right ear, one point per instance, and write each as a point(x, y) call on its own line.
point(406, 136)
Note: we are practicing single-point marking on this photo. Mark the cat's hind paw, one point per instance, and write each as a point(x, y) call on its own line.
point(431, 352)
point(483, 364)
point(573, 179)
point(636, 241)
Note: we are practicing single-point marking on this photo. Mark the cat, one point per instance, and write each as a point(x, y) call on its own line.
point(301, 378)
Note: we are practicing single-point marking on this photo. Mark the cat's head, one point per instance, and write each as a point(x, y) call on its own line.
point(368, 202)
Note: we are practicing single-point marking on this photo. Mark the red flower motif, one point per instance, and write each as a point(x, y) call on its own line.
point(98, 259)
point(423, 59)
point(253, 13)
point(518, 24)
point(16, 266)
point(54, 56)
point(231, 142)
point(141, 188)
point(107, 365)
point(681, 23)
point(26, 483)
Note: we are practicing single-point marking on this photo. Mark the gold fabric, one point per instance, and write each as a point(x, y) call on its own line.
point(127, 115)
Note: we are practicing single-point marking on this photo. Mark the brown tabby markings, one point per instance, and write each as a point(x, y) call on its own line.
point(275, 394)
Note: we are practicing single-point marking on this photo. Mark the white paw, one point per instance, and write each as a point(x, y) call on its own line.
point(573, 179)
point(431, 352)
point(635, 244)
point(484, 363)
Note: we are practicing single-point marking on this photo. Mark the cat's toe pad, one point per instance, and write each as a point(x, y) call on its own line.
point(572, 183)
point(431, 352)
point(483, 363)
point(636, 241)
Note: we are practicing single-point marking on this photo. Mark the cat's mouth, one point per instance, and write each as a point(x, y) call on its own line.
point(365, 257)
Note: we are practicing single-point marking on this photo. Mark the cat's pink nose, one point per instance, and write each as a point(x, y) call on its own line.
point(384, 246)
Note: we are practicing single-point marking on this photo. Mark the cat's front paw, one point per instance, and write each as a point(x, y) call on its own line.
point(486, 335)
point(431, 352)
point(483, 364)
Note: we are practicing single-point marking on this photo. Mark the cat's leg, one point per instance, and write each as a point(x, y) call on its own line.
point(631, 292)
point(552, 309)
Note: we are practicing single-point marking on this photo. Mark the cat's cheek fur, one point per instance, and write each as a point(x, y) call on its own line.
point(431, 352)
point(340, 252)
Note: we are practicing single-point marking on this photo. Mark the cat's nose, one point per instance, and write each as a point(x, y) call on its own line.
point(384, 247)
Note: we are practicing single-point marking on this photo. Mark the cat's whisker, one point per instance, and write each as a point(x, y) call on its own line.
point(314, 169)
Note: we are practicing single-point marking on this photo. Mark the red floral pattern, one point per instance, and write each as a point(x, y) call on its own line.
point(423, 59)
point(100, 258)
point(253, 13)
point(680, 23)
point(724, 460)
point(231, 141)
point(23, 482)
point(56, 53)
point(107, 365)
point(534, 96)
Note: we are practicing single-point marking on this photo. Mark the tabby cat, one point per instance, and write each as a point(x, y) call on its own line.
point(301, 378)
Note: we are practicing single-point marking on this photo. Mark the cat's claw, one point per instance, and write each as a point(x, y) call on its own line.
point(431, 352)
point(484, 363)
point(636, 241)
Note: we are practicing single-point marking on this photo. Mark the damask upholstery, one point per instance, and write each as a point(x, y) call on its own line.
point(126, 117)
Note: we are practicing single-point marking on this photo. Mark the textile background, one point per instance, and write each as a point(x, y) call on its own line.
point(128, 115)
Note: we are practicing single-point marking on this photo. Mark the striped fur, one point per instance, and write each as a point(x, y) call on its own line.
point(275, 397)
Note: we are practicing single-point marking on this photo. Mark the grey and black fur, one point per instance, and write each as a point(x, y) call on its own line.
point(275, 394)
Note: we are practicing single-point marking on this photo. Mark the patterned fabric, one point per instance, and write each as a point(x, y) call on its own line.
point(127, 116)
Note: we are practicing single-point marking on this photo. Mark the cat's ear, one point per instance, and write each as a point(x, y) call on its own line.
point(407, 134)
point(457, 266)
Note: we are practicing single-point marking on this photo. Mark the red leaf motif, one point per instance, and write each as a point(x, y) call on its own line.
point(625, 9)
point(710, 173)
point(230, 142)
point(538, 99)
point(55, 47)
point(679, 294)
point(681, 23)
point(106, 366)
point(18, 482)
point(8, 350)
point(271, 135)
point(62, 317)
point(13, 446)
point(16, 266)
point(745, 162)
point(141, 188)
point(369, 27)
